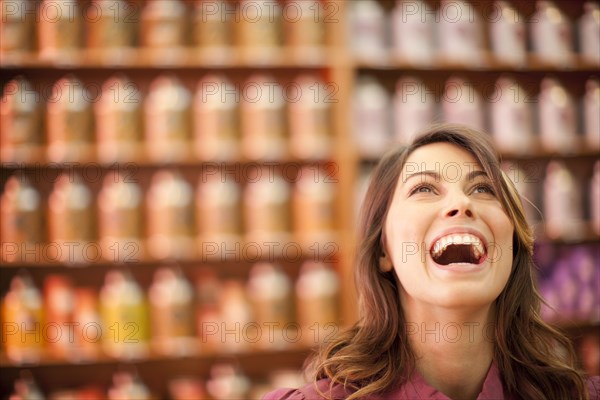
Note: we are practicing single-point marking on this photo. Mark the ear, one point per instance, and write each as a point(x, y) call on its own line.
point(385, 263)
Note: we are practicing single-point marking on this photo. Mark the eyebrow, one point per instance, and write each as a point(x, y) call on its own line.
point(434, 174)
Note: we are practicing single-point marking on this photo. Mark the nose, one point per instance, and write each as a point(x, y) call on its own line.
point(459, 205)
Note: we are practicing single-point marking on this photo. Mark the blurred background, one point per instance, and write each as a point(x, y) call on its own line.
point(180, 180)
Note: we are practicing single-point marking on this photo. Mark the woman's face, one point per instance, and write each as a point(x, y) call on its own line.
point(446, 233)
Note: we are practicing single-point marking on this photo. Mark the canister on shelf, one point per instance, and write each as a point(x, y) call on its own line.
point(591, 106)
point(208, 318)
point(304, 23)
point(60, 27)
point(120, 218)
point(551, 34)
point(372, 117)
point(170, 216)
point(313, 206)
point(507, 34)
point(22, 316)
point(459, 32)
point(17, 19)
point(263, 119)
point(309, 116)
point(557, 117)
point(414, 108)
point(124, 313)
point(270, 293)
point(562, 203)
point(267, 211)
point(216, 119)
point(317, 296)
point(58, 304)
point(368, 26)
point(218, 214)
point(237, 330)
point(70, 121)
point(164, 24)
point(227, 381)
point(462, 103)
point(168, 120)
point(511, 117)
point(21, 224)
point(112, 24)
point(119, 120)
point(20, 122)
point(589, 33)
point(212, 24)
point(128, 385)
point(413, 31)
point(258, 25)
point(171, 299)
point(88, 331)
point(71, 221)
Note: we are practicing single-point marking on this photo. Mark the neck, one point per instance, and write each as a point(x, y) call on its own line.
point(453, 348)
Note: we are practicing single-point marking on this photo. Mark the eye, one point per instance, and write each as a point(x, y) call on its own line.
point(422, 188)
point(484, 188)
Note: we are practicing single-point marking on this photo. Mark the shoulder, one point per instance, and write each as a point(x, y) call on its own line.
point(311, 391)
point(593, 384)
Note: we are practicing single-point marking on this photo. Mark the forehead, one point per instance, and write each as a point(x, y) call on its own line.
point(440, 157)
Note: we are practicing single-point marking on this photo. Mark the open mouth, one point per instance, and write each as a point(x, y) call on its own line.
point(458, 248)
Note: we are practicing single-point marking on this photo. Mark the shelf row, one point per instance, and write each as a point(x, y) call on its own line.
point(166, 119)
point(174, 316)
point(235, 212)
point(565, 113)
point(51, 27)
point(464, 32)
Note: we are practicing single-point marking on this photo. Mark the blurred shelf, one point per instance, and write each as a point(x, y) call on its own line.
point(175, 58)
point(292, 352)
point(577, 327)
point(584, 235)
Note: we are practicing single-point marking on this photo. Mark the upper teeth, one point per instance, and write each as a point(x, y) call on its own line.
point(461, 238)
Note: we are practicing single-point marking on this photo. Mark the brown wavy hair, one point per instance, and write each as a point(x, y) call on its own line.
point(374, 356)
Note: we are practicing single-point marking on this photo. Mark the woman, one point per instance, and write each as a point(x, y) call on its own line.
point(447, 296)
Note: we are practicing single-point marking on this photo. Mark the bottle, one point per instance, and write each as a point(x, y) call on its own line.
point(304, 24)
point(507, 34)
point(562, 203)
point(171, 310)
point(128, 385)
point(511, 117)
point(21, 224)
point(216, 119)
point(22, 316)
point(317, 297)
point(120, 218)
point(168, 120)
point(313, 206)
point(208, 317)
point(414, 109)
point(371, 110)
point(589, 33)
point(462, 104)
point(367, 24)
point(270, 293)
point(227, 382)
point(60, 27)
point(119, 121)
point(459, 33)
point(124, 313)
point(17, 26)
point(218, 215)
point(20, 122)
point(70, 122)
point(258, 26)
point(264, 131)
point(551, 34)
point(557, 114)
point(71, 221)
point(237, 319)
point(115, 24)
point(88, 331)
point(309, 118)
point(58, 304)
point(163, 24)
point(267, 212)
point(591, 105)
point(170, 217)
point(212, 24)
point(413, 29)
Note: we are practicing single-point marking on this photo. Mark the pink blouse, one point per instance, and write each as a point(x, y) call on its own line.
point(415, 388)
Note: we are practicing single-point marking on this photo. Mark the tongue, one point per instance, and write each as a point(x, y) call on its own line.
point(457, 253)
